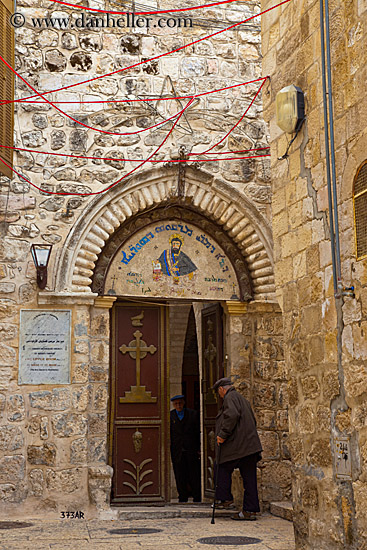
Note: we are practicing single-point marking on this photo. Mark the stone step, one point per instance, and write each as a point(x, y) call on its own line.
point(169, 511)
point(283, 509)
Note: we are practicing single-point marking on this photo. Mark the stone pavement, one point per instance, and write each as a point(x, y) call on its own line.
point(179, 533)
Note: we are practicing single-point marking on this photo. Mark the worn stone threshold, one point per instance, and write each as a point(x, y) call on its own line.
point(282, 509)
point(169, 510)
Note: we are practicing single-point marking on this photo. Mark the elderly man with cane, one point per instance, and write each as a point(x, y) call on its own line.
point(240, 447)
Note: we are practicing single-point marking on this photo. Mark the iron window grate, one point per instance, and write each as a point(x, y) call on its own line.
point(360, 210)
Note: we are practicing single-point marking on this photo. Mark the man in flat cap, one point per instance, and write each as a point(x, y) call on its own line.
point(185, 449)
point(240, 447)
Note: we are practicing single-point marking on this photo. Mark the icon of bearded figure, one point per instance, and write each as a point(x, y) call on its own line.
point(174, 262)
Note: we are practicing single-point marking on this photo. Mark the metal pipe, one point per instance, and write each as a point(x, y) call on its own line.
point(327, 149)
point(216, 480)
point(332, 150)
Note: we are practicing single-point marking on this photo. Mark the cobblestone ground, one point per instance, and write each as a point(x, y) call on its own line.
point(176, 533)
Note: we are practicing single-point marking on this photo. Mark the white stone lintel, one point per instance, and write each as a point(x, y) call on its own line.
point(67, 298)
point(238, 308)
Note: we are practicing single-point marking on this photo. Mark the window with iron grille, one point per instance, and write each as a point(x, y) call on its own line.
point(6, 87)
point(360, 210)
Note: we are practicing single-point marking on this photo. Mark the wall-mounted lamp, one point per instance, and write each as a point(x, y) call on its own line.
point(41, 254)
point(290, 109)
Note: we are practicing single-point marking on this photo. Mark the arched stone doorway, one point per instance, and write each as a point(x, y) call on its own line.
point(148, 284)
point(252, 331)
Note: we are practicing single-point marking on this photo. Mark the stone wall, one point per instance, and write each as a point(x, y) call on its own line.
point(54, 439)
point(178, 317)
point(327, 381)
point(256, 363)
point(51, 59)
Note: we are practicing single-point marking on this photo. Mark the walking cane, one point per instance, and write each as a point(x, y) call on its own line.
point(216, 483)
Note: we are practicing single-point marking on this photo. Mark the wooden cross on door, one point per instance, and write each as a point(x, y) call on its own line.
point(138, 349)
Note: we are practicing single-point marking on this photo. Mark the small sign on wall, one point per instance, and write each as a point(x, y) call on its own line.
point(362, 7)
point(343, 461)
point(44, 354)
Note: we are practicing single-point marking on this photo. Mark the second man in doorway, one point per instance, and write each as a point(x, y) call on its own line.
point(185, 449)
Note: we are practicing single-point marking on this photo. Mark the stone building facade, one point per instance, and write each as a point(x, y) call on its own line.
point(325, 339)
point(55, 438)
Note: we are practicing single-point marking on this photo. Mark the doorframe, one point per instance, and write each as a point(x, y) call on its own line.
point(165, 339)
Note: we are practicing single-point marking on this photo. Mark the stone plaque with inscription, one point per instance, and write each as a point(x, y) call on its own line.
point(44, 355)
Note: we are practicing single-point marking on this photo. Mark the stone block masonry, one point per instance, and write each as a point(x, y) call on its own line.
point(326, 381)
point(53, 439)
point(256, 351)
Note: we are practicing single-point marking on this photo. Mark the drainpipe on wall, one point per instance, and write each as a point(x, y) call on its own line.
point(346, 502)
point(327, 150)
point(330, 115)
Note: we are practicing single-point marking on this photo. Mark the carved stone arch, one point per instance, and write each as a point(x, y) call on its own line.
point(216, 200)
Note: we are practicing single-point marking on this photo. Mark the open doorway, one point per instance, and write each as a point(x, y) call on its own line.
point(185, 380)
point(160, 351)
point(196, 353)
point(190, 365)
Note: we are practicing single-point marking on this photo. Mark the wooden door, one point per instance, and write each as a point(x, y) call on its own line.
point(213, 368)
point(139, 404)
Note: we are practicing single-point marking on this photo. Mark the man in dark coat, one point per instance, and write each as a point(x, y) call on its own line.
point(240, 447)
point(185, 449)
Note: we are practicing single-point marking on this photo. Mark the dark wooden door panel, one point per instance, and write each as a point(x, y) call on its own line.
point(138, 360)
point(139, 464)
point(213, 368)
point(139, 404)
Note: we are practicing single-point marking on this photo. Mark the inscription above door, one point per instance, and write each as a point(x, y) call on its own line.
point(173, 259)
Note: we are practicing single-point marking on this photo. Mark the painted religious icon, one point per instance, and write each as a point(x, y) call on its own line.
point(173, 261)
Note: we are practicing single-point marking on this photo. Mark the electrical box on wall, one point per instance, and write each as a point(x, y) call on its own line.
point(343, 459)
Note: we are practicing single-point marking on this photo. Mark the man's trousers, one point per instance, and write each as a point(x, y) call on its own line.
point(187, 474)
point(247, 467)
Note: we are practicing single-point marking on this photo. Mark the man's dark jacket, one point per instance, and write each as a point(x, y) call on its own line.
point(236, 423)
point(185, 433)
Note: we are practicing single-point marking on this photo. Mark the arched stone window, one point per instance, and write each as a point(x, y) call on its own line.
point(360, 210)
